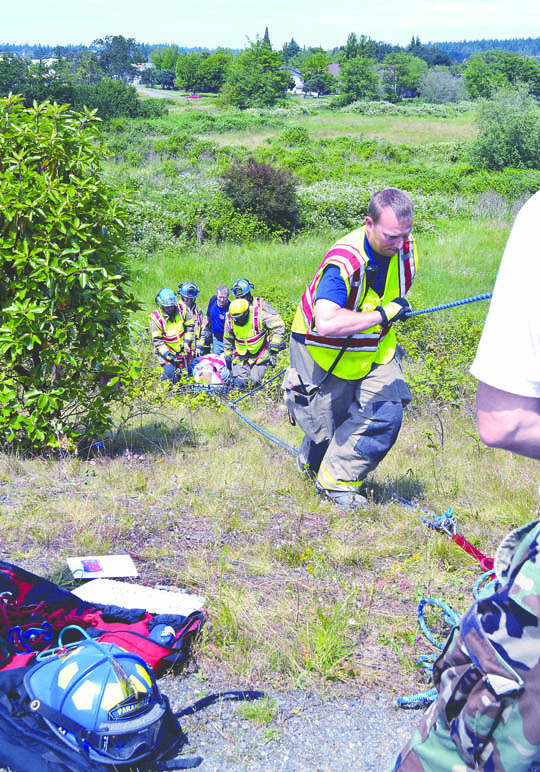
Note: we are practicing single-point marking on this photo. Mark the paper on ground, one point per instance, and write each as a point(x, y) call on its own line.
point(92, 566)
point(107, 592)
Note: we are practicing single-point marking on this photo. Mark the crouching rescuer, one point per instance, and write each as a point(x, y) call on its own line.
point(253, 336)
point(345, 386)
point(167, 333)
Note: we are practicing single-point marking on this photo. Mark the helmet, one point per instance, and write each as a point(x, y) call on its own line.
point(188, 289)
point(211, 369)
point(100, 698)
point(241, 288)
point(239, 311)
point(166, 298)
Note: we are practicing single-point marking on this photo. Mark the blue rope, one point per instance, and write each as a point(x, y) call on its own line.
point(446, 522)
point(416, 700)
point(451, 618)
point(261, 431)
point(485, 585)
point(261, 386)
point(449, 615)
point(485, 296)
point(219, 391)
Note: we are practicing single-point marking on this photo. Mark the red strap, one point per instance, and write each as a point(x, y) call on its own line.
point(485, 562)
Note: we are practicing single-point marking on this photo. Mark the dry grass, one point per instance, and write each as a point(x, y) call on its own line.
point(298, 592)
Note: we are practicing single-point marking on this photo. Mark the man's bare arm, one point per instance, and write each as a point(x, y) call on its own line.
point(331, 319)
point(508, 421)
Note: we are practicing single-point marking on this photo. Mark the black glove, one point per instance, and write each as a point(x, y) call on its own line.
point(199, 351)
point(228, 363)
point(207, 337)
point(394, 311)
point(170, 357)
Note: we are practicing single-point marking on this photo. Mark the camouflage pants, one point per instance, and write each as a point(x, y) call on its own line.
point(486, 716)
point(349, 425)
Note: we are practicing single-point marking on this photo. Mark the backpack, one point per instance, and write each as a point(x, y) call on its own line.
point(33, 613)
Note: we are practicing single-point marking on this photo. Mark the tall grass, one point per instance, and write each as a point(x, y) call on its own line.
point(457, 261)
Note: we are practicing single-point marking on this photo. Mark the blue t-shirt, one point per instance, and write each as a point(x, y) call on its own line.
point(217, 317)
point(332, 287)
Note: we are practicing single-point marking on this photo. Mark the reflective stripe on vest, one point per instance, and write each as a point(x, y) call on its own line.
point(171, 332)
point(375, 345)
point(250, 337)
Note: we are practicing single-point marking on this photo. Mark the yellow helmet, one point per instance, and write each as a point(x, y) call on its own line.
point(239, 311)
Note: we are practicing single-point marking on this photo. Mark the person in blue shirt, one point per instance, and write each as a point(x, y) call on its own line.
point(218, 305)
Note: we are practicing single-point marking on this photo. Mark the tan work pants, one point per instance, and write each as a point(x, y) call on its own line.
point(349, 425)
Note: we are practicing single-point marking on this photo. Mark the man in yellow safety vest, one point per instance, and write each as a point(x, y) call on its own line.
point(252, 337)
point(167, 333)
point(345, 387)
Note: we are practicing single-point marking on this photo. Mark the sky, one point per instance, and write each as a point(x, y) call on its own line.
point(231, 23)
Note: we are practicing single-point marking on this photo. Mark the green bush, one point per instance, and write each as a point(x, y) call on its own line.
point(440, 350)
point(294, 135)
point(264, 191)
point(112, 98)
point(509, 132)
point(64, 307)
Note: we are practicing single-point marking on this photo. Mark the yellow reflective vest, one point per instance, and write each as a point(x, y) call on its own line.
point(250, 340)
point(167, 333)
point(376, 345)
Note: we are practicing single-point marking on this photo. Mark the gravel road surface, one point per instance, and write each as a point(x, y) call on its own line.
point(310, 733)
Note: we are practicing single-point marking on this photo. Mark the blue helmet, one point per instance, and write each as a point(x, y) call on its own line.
point(188, 289)
point(241, 288)
point(166, 298)
point(101, 699)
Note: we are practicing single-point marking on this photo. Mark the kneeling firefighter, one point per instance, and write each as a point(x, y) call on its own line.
point(192, 318)
point(167, 332)
point(253, 336)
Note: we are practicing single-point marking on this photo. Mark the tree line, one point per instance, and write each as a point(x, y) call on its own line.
point(100, 77)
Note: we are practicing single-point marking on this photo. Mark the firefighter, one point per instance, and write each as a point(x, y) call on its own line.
point(253, 336)
point(345, 387)
point(193, 319)
point(167, 332)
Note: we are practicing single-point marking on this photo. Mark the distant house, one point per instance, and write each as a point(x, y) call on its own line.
point(298, 87)
point(47, 62)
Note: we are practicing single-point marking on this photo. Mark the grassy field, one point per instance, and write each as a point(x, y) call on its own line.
point(457, 261)
point(331, 125)
point(299, 593)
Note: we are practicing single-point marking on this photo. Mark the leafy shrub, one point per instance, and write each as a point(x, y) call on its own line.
point(112, 98)
point(64, 306)
point(420, 109)
point(509, 132)
point(439, 353)
point(440, 87)
point(294, 135)
point(266, 192)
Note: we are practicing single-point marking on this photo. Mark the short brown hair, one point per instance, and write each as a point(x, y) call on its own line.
point(394, 198)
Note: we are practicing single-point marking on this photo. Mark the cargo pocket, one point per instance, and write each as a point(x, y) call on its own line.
point(477, 692)
point(311, 410)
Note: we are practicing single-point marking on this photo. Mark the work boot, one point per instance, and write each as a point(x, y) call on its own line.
point(345, 499)
point(307, 472)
